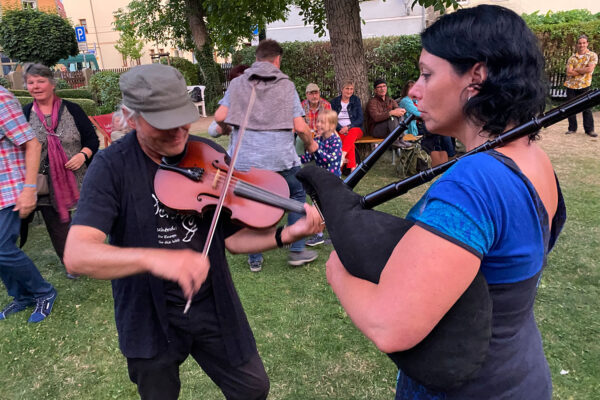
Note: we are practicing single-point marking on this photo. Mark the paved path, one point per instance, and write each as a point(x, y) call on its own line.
point(201, 126)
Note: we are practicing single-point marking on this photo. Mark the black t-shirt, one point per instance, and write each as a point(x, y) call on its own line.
point(177, 230)
point(116, 198)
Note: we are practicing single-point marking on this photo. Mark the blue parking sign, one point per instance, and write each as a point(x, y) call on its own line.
point(80, 33)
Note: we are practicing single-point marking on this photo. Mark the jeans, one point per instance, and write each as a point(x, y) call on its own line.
point(296, 193)
point(588, 119)
point(22, 279)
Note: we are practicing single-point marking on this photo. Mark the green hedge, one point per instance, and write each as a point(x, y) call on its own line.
point(104, 86)
point(188, 69)
point(89, 106)
point(394, 58)
point(62, 93)
point(4, 82)
point(558, 33)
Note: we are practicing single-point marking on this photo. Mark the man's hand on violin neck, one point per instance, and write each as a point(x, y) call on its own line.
point(186, 267)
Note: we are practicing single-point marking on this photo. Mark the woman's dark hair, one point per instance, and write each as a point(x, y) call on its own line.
point(514, 90)
point(406, 88)
point(237, 71)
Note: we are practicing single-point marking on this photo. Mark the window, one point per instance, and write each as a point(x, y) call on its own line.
point(29, 4)
point(83, 22)
point(151, 52)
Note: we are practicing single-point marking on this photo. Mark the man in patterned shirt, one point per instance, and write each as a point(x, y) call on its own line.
point(580, 68)
point(19, 162)
point(313, 105)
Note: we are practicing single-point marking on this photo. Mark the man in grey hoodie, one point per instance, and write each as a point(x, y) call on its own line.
point(268, 141)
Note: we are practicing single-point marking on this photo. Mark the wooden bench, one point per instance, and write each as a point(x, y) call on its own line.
point(199, 103)
point(364, 148)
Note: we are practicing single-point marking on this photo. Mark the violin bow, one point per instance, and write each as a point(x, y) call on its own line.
point(226, 184)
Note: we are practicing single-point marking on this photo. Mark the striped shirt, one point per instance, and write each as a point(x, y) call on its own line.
point(14, 132)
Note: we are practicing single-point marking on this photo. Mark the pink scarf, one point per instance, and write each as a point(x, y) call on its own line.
point(63, 181)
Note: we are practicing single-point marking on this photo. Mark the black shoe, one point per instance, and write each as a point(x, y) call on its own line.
point(314, 240)
point(569, 132)
point(255, 266)
point(592, 134)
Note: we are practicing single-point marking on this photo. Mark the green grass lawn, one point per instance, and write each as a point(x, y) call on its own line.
point(309, 346)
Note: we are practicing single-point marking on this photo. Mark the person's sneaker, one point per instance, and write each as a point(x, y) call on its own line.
point(43, 307)
point(255, 266)
point(569, 132)
point(314, 240)
point(11, 308)
point(592, 134)
point(298, 258)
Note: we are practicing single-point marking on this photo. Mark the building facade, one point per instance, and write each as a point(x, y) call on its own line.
point(381, 18)
point(42, 5)
point(396, 17)
point(97, 16)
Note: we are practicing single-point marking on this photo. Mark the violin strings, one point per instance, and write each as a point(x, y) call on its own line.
point(256, 192)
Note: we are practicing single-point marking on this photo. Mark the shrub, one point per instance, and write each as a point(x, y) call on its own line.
point(188, 69)
point(558, 33)
point(21, 93)
point(62, 93)
point(62, 84)
point(5, 82)
point(104, 86)
point(89, 106)
point(74, 93)
point(394, 58)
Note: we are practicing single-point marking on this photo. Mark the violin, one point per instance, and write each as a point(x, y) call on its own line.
point(256, 198)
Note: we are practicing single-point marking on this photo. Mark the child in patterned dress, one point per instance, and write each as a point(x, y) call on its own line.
point(328, 155)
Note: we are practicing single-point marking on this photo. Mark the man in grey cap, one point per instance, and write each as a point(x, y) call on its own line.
point(269, 138)
point(312, 105)
point(153, 255)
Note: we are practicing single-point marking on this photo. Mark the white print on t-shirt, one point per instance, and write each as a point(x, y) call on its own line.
point(168, 235)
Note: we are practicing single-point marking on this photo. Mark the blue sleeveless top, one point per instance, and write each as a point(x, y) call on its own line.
point(485, 204)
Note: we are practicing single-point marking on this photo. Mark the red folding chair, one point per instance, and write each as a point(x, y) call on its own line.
point(103, 124)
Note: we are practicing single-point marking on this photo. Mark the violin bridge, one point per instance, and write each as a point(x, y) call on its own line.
point(216, 180)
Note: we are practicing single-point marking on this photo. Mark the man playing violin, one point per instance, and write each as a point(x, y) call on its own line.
point(153, 254)
point(269, 138)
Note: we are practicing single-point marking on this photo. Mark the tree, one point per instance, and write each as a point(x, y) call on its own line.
point(128, 44)
point(201, 25)
point(206, 23)
point(35, 36)
point(342, 19)
point(130, 47)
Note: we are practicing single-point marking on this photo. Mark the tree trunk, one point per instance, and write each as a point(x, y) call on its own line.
point(195, 15)
point(343, 23)
point(208, 69)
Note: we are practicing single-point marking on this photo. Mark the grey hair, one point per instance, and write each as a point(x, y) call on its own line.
point(121, 117)
point(36, 69)
point(583, 36)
